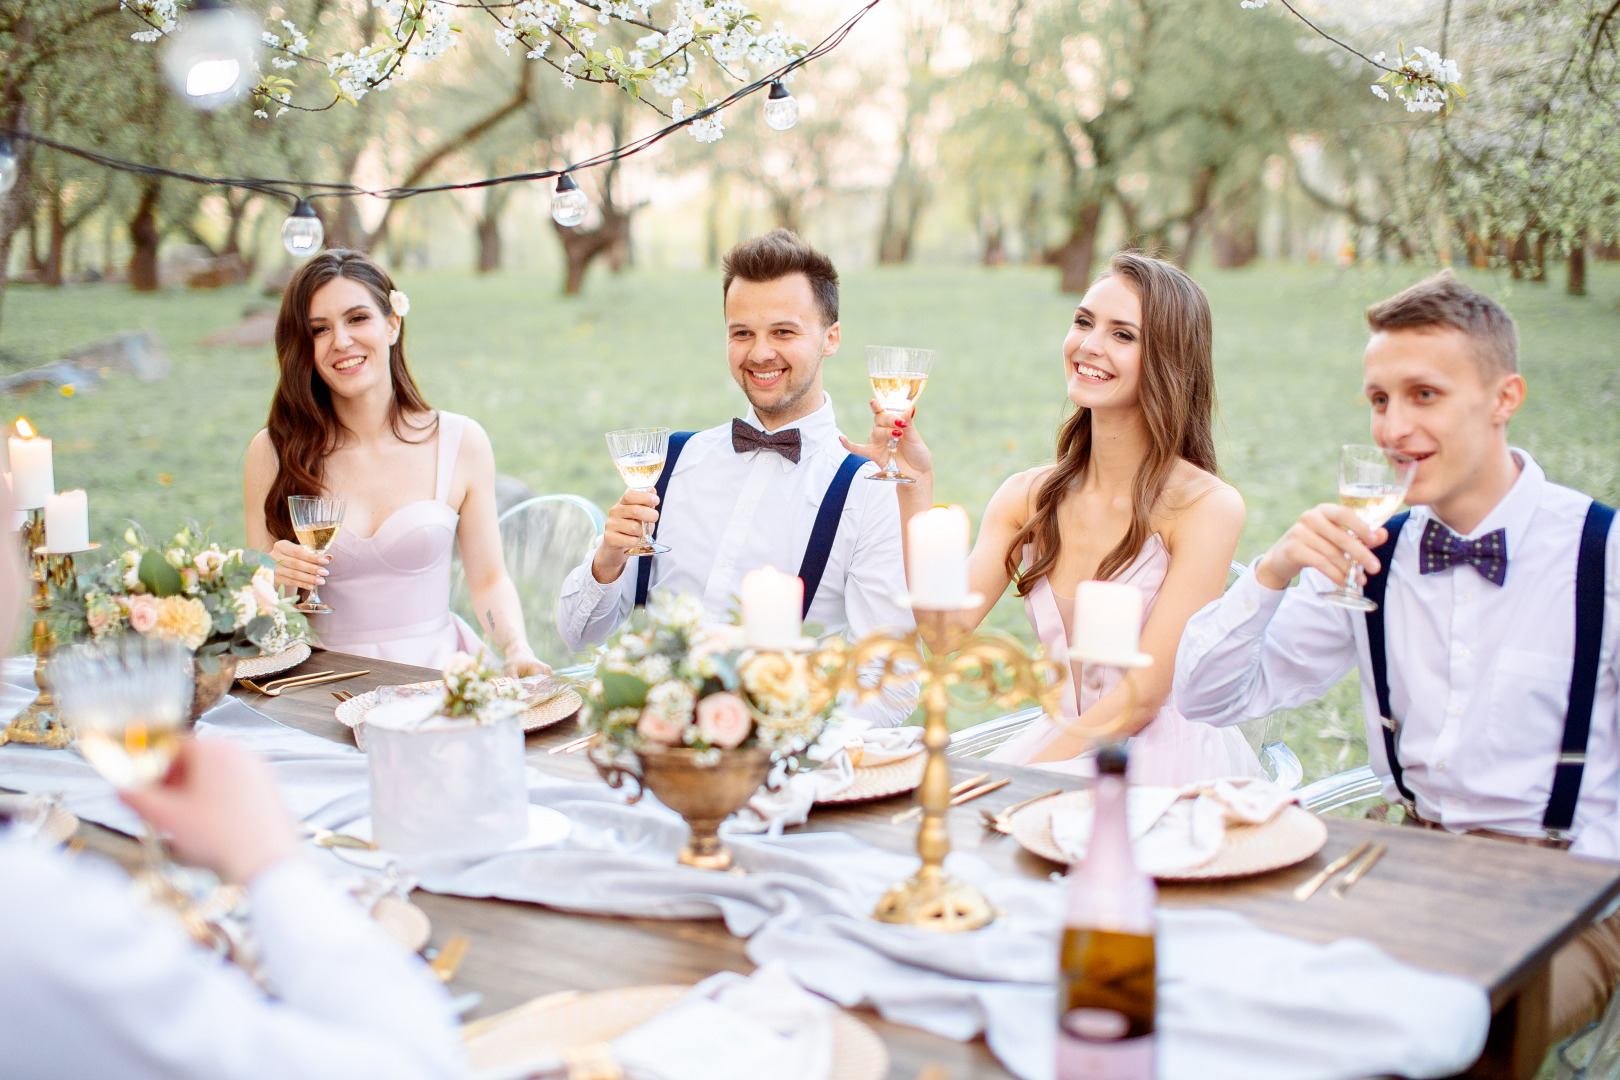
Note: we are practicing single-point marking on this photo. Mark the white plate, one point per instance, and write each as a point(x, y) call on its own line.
point(546, 827)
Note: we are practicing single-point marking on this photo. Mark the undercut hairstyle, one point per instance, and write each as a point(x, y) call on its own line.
point(1444, 302)
point(779, 254)
point(303, 428)
point(1177, 395)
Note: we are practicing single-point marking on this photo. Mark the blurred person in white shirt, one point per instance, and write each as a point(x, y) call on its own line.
point(93, 986)
point(1490, 678)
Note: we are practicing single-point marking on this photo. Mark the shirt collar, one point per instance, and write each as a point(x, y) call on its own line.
point(815, 431)
point(1515, 509)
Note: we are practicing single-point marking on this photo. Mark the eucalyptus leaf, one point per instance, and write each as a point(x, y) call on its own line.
point(623, 691)
point(158, 576)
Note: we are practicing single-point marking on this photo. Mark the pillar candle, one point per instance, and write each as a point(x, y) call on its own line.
point(1107, 623)
point(67, 521)
point(771, 608)
point(31, 476)
point(937, 563)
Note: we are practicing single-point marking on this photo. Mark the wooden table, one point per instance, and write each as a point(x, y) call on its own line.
point(1491, 912)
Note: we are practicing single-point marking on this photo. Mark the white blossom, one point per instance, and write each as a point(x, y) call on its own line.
point(1380, 91)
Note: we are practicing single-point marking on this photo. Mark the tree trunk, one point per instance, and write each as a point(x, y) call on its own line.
point(489, 244)
point(1075, 257)
point(1538, 259)
point(1519, 255)
point(51, 274)
point(1236, 245)
point(1576, 285)
point(143, 234)
point(581, 247)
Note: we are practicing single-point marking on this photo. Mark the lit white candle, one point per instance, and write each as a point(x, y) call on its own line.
point(31, 476)
point(1107, 623)
point(937, 563)
point(67, 521)
point(772, 603)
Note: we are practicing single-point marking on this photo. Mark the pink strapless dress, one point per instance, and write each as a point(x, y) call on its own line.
point(1171, 750)
point(390, 591)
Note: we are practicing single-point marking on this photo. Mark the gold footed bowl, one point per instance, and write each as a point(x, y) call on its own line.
point(705, 795)
point(210, 690)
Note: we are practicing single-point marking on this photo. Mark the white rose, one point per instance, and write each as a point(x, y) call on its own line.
point(400, 303)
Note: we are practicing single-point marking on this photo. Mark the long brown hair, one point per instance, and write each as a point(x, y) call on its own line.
point(1177, 396)
point(303, 428)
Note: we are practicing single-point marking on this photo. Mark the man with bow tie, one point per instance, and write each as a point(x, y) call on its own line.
point(774, 488)
point(1489, 671)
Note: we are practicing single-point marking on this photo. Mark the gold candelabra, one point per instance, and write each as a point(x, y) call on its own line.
point(941, 655)
point(38, 723)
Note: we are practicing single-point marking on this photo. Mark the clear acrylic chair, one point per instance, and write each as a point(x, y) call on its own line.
point(543, 538)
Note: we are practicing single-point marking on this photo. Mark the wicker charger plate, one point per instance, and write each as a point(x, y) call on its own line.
point(881, 781)
point(353, 711)
point(257, 666)
point(1293, 836)
point(559, 1023)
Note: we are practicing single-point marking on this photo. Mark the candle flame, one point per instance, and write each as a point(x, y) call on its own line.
point(24, 428)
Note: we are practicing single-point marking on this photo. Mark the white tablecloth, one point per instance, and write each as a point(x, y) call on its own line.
point(1234, 1001)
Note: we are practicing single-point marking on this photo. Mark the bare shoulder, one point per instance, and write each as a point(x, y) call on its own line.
point(1200, 500)
point(261, 454)
point(1014, 500)
point(476, 439)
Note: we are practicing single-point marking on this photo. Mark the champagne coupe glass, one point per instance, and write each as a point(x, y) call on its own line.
point(126, 699)
point(638, 453)
point(898, 376)
point(1372, 482)
point(317, 523)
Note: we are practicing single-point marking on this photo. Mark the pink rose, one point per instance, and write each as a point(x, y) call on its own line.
point(723, 720)
point(98, 617)
point(143, 613)
point(657, 726)
point(264, 589)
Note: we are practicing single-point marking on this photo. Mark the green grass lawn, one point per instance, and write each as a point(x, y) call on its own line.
point(547, 376)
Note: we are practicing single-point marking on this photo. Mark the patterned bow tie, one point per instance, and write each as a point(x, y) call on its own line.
point(746, 437)
point(1441, 549)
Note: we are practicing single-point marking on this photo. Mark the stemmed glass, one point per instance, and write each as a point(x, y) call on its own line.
point(638, 453)
point(1372, 482)
point(317, 523)
point(898, 376)
point(125, 700)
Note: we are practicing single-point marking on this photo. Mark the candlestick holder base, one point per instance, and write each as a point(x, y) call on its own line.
point(934, 900)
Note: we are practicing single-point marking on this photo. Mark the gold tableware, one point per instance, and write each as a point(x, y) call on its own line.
point(264, 686)
point(1308, 889)
point(969, 796)
point(342, 695)
point(955, 790)
point(449, 958)
point(572, 745)
point(328, 838)
point(314, 680)
point(1359, 871)
point(1001, 821)
point(703, 794)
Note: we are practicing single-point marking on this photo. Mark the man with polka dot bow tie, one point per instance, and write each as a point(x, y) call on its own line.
point(1489, 671)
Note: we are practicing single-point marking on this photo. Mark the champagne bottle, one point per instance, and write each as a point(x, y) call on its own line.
point(1107, 968)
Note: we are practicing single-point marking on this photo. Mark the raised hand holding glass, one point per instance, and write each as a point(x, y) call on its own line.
point(898, 376)
point(638, 454)
point(1372, 483)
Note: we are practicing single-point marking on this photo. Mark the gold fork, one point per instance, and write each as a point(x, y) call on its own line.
point(264, 686)
point(450, 956)
point(342, 695)
point(313, 680)
point(956, 789)
point(1001, 821)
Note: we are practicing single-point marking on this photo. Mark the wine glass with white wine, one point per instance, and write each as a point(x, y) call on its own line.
point(317, 523)
point(1372, 482)
point(638, 454)
point(898, 376)
point(126, 700)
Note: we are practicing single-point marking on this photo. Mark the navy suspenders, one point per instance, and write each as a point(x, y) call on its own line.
point(1590, 578)
point(822, 533)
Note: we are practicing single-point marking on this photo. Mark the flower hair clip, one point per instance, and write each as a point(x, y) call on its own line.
point(399, 303)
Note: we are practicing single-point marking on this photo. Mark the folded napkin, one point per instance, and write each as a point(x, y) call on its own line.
point(847, 742)
point(1177, 829)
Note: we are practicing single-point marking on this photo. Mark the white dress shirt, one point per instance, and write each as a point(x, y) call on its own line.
point(94, 988)
point(726, 513)
point(1478, 674)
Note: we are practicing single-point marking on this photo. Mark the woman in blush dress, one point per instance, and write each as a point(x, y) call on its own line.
point(348, 422)
point(1133, 497)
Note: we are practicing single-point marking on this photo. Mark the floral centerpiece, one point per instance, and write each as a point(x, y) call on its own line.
point(222, 605)
point(215, 603)
point(447, 768)
point(696, 716)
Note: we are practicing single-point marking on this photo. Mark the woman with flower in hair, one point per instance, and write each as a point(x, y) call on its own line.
point(348, 422)
point(1133, 497)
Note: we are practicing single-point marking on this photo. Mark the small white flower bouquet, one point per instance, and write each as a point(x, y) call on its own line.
point(669, 681)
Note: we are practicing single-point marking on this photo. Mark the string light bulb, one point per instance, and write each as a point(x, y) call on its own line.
point(211, 59)
point(302, 232)
point(569, 204)
point(781, 107)
point(10, 165)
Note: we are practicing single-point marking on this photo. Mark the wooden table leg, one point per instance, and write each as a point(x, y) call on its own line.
point(1517, 1042)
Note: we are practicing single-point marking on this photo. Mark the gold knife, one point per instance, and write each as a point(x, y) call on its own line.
point(956, 789)
point(1359, 871)
point(1308, 889)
